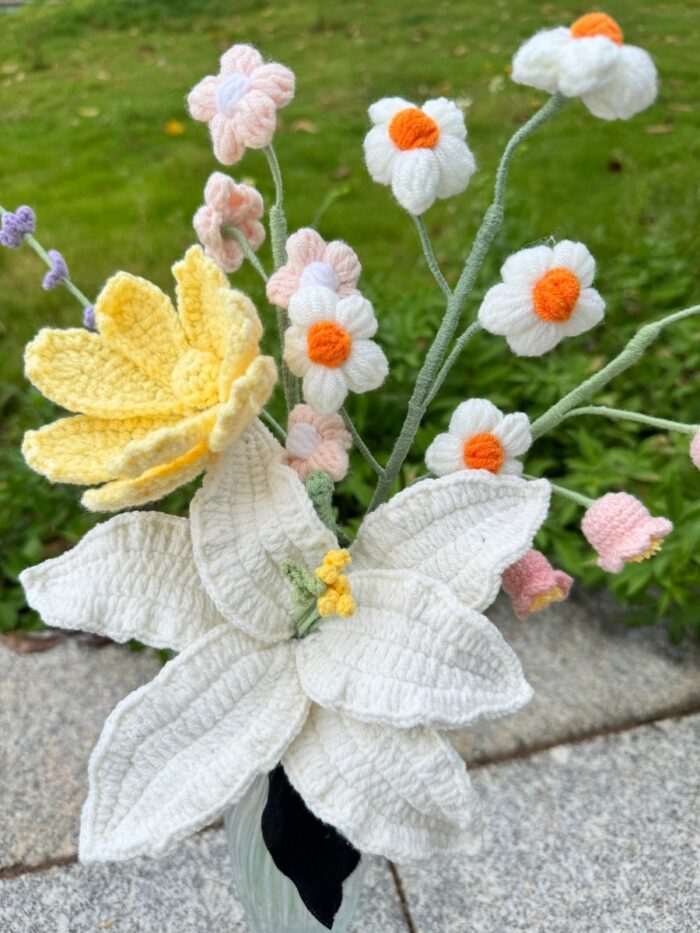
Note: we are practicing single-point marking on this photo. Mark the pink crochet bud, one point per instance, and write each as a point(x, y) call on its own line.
point(312, 261)
point(317, 442)
point(695, 450)
point(533, 584)
point(225, 202)
point(621, 530)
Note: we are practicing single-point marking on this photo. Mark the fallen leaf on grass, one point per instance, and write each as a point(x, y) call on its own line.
point(23, 643)
point(656, 129)
point(304, 126)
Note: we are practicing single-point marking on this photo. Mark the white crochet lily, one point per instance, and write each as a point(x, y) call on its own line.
point(352, 710)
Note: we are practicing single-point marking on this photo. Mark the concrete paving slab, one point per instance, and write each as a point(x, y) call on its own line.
point(599, 837)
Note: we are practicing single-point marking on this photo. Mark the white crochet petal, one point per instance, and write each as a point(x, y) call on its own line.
point(403, 794)
point(356, 315)
point(366, 367)
point(526, 266)
point(384, 110)
point(312, 303)
point(380, 153)
point(456, 164)
point(514, 434)
point(444, 455)
point(251, 513)
point(539, 338)
point(178, 751)
point(463, 529)
point(447, 115)
point(588, 311)
point(510, 467)
point(411, 655)
point(325, 389)
point(630, 88)
point(296, 352)
point(577, 258)
point(133, 576)
point(506, 309)
point(474, 417)
point(586, 63)
point(536, 63)
point(414, 179)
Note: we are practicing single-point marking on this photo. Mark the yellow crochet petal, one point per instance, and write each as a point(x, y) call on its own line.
point(152, 485)
point(81, 372)
point(248, 396)
point(242, 347)
point(78, 449)
point(200, 286)
point(139, 320)
point(162, 446)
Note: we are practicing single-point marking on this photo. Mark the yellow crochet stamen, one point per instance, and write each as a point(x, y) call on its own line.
point(337, 598)
point(654, 547)
point(553, 595)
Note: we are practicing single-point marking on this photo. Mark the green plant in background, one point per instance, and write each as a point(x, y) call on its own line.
point(645, 244)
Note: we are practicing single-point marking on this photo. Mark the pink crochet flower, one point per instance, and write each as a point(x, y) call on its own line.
point(240, 103)
point(621, 530)
point(312, 261)
point(317, 442)
point(229, 203)
point(695, 449)
point(533, 584)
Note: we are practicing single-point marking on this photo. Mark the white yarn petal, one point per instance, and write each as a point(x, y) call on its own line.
point(588, 311)
point(447, 115)
point(133, 576)
point(526, 266)
point(536, 63)
point(444, 455)
point(474, 417)
point(539, 338)
point(251, 513)
point(356, 315)
point(380, 153)
point(411, 655)
point(456, 164)
point(325, 389)
point(631, 87)
point(384, 110)
point(506, 309)
point(178, 751)
point(366, 367)
point(403, 794)
point(463, 529)
point(311, 304)
point(586, 63)
point(296, 351)
point(577, 258)
point(415, 177)
point(510, 467)
point(514, 434)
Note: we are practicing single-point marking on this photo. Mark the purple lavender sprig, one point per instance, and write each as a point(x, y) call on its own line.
point(58, 271)
point(16, 225)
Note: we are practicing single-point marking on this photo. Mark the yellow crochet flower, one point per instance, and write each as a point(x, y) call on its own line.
point(158, 392)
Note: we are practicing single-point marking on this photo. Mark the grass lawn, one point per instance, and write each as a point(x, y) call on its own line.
point(87, 88)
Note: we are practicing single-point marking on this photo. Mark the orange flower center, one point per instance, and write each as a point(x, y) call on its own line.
point(483, 452)
point(555, 295)
point(413, 129)
point(328, 344)
point(597, 24)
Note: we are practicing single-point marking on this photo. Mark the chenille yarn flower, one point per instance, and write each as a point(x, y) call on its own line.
point(480, 437)
point(420, 151)
point(58, 272)
point(312, 261)
point(158, 393)
point(695, 449)
point(240, 104)
point(619, 527)
point(317, 442)
point(354, 711)
point(545, 296)
point(226, 202)
point(328, 345)
point(15, 225)
point(533, 584)
point(589, 60)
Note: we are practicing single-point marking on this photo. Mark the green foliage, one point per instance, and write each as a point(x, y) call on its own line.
point(86, 88)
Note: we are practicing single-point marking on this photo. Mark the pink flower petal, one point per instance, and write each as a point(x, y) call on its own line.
point(281, 286)
point(228, 146)
point(276, 81)
point(255, 119)
point(201, 101)
point(345, 263)
point(241, 58)
point(305, 246)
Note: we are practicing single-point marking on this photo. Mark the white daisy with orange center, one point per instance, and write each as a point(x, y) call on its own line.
point(480, 437)
point(544, 297)
point(589, 60)
point(420, 151)
point(328, 345)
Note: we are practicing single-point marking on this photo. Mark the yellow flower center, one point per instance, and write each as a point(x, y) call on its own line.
point(337, 598)
point(654, 547)
point(483, 452)
point(413, 129)
point(542, 600)
point(597, 24)
point(328, 344)
point(195, 379)
point(555, 295)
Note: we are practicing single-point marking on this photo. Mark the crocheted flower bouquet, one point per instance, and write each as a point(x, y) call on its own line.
point(336, 667)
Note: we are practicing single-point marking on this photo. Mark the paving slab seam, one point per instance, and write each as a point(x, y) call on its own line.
point(401, 894)
point(681, 712)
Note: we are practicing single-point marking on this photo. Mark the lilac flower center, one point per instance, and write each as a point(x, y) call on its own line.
point(302, 440)
point(319, 273)
point(230, 92)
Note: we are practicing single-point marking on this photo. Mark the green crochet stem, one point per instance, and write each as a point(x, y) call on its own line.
point(456, 350)
point(430, 256)
point(319, 487)
point(630, 355)
point(566, 493)
point(42, 254)
point(359, 443)
point(230, 232)
point(271, 423)
point(623, 415)
point(435, 356)
point(306, 589)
